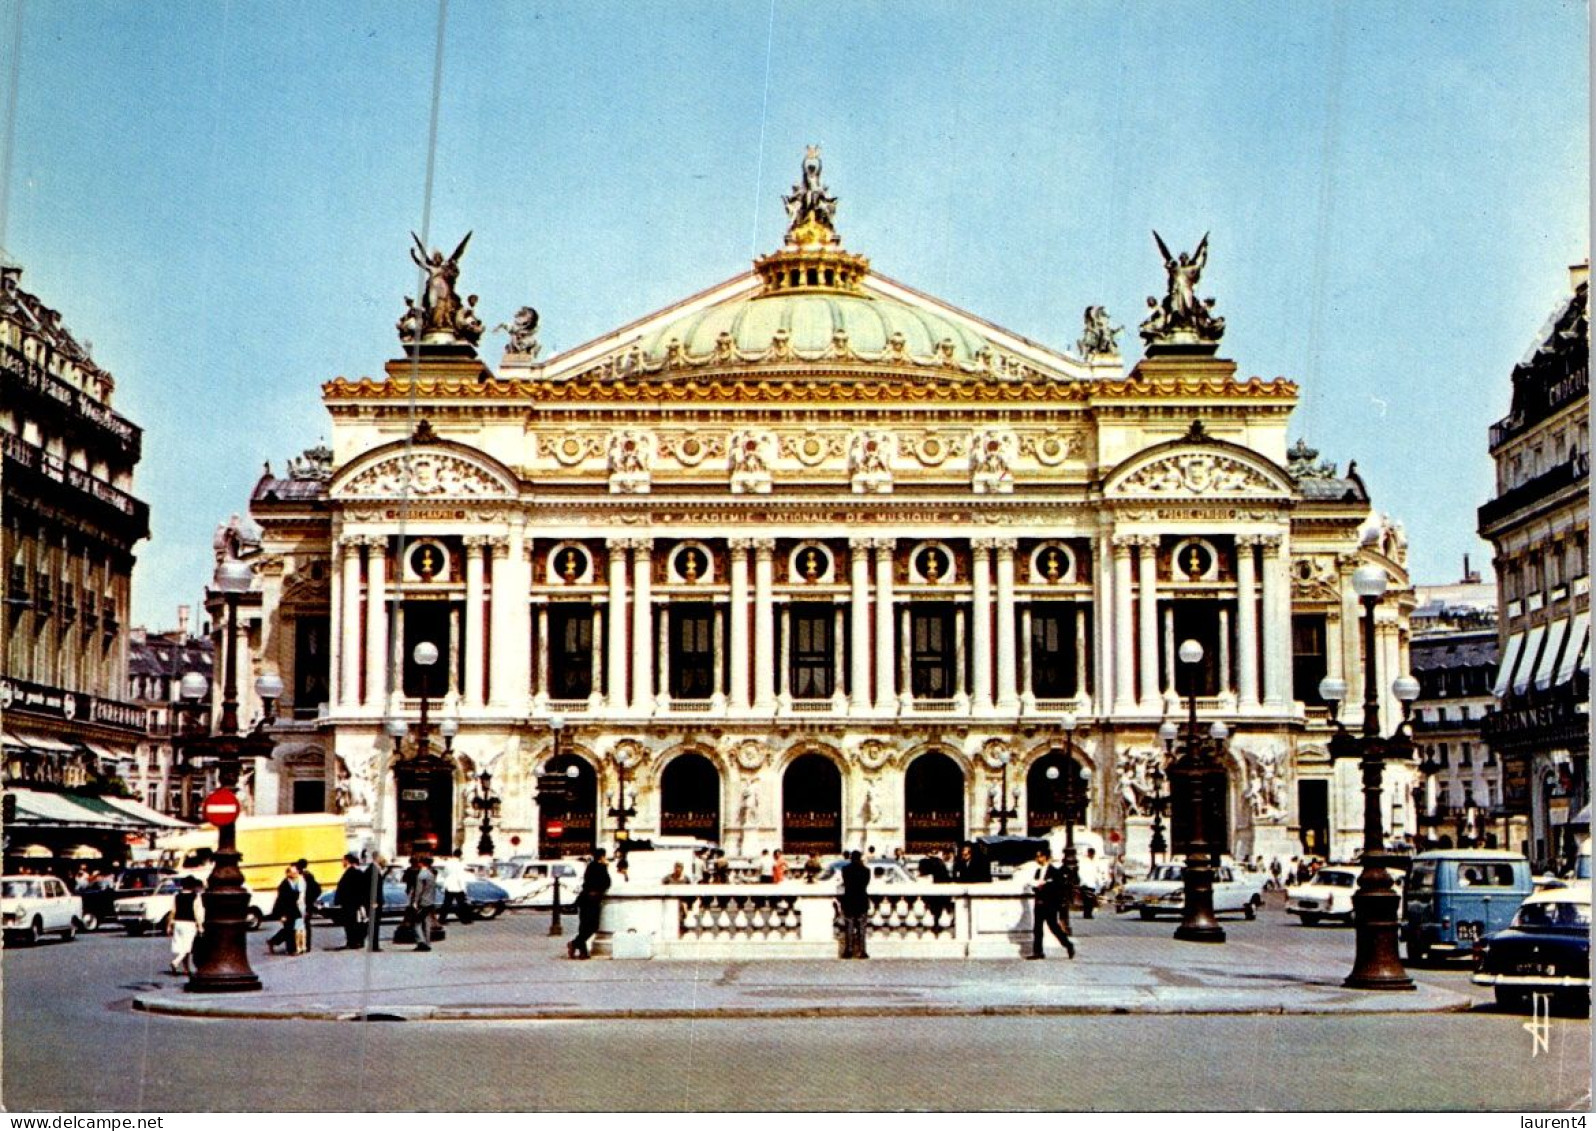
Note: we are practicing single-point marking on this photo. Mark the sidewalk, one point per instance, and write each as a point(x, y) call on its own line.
point(523, 977)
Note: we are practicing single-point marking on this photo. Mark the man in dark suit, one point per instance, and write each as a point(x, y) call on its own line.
point(855, 904)
point(422, 895)
point(1047, 887)
point(589, 902)
point(352, 897)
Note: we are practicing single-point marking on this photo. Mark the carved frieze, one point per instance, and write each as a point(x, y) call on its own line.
point(870, 455)
point(431, 475)
point(1198, 473)
point(992, 452)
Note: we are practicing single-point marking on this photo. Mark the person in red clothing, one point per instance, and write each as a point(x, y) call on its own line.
point(778, 868)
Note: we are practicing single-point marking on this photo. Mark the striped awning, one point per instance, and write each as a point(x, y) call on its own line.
point(1557, 632)
point(1526, 666)
point(1578, 650)
point(1504, 674)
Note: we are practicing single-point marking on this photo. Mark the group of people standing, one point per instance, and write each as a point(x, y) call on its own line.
point(296, 896)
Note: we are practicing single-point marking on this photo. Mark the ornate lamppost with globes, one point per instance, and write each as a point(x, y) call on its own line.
point(1003, 810)
point(1375, 906)
point(554, 792)
point(1168, 732)
point(1202, 772)
point(1065, 783)
point(621, 811)
point(485, 803)
point(221, 960)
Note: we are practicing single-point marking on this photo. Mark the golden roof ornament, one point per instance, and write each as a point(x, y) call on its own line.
point(811, 208)
point(811, 257)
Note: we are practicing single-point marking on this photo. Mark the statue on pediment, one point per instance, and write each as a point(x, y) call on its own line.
point(440, 316)
point(523, 330)
point(1099, 336)
point(811, 208)
point(1182, 317)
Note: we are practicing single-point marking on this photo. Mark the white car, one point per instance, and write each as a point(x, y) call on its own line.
point(1163, 892)
point(34, 906)
point(1328, 895)
point(152, 911)
point(531, 882)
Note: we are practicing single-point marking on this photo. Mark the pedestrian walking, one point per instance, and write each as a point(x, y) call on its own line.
point(287, 909)
point(589, 902)
point(188, 919)
point(1047, 890)
point(371, 881)
point(778, 868)
point(353, 900)
point(312, 894)
point(855, 904)
point(454, 894)
point(767, 867)
point(422, 894)
point(1091, 871)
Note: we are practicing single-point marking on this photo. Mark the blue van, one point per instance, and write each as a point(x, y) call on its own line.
point(1455, 897)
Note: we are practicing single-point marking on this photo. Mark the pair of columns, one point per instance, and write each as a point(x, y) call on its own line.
point(1136, 677)
point(371, 652)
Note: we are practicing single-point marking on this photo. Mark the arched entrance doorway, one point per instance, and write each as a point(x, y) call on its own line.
point(568, 830)
point(1044, 796)
point(426, 805)
point(1204, 781)
point(689, 802)
point(811, 807)
point(933, 804)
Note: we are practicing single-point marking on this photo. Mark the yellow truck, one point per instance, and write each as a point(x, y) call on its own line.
point(267, 845)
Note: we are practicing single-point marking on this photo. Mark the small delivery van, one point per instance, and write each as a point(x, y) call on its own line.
point(266, 846)
point(1457, 896)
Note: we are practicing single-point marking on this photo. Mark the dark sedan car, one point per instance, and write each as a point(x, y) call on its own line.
point(487, 900)
point(99, 896)
point(1545, 949)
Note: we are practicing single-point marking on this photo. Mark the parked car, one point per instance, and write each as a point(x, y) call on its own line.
point(1455, 897)
point(34, 906)
point(530, 883)
point(883, 870)
point(487, 899)
point(1328, 895)
point(152, 910)
point(1545, 949)
point(1163, 892)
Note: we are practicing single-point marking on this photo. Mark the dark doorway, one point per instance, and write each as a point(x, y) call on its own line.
point(310, 665)
point(933, 804)
point(570, 650)
point(813, 651)
point(1208, 780)
point(1044, 796)
point(811, 803)
point(690, 798)
point(1053, 644)
point(1196, 620)
point(310, 796)
point(426, 805)
point(931, 652)
point(426, 621)
point(569, 830)
point(1313, 811)
point(692, 651)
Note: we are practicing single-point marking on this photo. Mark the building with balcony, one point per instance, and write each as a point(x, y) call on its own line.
point(1539, 525)
point(1454, 658)
point(157, 663)
point(813, 560)
point(66, 543)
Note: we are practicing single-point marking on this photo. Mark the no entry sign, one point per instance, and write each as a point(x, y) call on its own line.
point(221, 807)
point(555, 828)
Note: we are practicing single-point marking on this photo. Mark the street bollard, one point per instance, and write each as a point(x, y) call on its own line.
point(554, 924)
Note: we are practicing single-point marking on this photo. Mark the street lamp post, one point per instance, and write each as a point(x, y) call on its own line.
point(222, 962)
point(1375, 906)
point(1002, 811)
point(1071, 863)
point(486, 804)
point(621, 811)
point(1168, 732)
point(1198, 768)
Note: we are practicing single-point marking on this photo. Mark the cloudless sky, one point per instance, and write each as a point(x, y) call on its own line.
point(219, 196)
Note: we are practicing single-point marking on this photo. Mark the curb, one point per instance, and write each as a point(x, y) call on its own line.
point(188, 1007)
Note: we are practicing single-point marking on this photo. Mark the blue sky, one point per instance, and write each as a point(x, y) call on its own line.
point(219, 196)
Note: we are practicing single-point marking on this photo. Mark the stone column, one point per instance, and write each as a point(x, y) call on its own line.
point(1227, 686)
point(839, 662)
point(600, 641)
point(642, 625)
point(663, 699)
point(377, 623)
point(784, 665)
point(981, 625)
point(349, 622)
point(1246, 623)
point(905, 650)
point(738, 613)
point(1276, 624)
point(544, 654)
point(510, 652)
point(1027, 660)
point(1007, 695)
point(1102, 620)
point(615, 614)
point(1081, 689)
point(886, 690)
point(1124, 641)
point(959, 653)
point(859, 612)
point(764, 627)
point(1147, 595)
point(476, 621)
point(1170, 651)
point(717, 697)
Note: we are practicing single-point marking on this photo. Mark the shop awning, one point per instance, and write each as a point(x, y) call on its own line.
point(1557, 632)
point(143, 814)
point(1526, 667)
point(13, 741)
point(38, 808)
point(1504, 674)
point(55, 745)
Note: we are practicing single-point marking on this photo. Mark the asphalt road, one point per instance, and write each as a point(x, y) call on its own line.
point(73, 1044)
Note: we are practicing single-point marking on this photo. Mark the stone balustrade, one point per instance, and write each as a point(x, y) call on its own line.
point(724, 922)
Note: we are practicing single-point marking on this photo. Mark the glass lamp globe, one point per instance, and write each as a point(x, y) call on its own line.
point(425, 654)
point(1369, 581)
point(1191, 652)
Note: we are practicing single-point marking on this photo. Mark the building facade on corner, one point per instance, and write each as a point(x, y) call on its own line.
point(813, 560)
point(1539, 526)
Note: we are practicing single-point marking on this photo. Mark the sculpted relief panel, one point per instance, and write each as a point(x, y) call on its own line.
point(427, 474)
point(1198, 473)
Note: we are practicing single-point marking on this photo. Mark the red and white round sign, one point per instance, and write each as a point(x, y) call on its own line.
point(555, 828)
point(221, 807)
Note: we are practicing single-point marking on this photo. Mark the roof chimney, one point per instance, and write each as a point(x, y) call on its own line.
point(182, 622)
point(1578, 275)
point(1470, 577)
